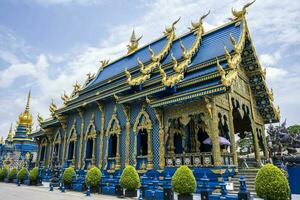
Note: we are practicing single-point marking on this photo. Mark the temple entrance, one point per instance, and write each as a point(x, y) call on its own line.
point(142, 143)
point(42, 153)
point(89, 148)
point(187, 142)
point(56, 149)
point(113, 141)
point(71, 150)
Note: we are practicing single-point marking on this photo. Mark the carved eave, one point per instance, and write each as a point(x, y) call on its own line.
point(257, 79)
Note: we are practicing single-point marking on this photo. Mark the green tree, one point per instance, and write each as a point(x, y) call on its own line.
point(294, 129)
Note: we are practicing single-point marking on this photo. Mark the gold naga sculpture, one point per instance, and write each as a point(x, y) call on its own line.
point(103, 63)
point(228, 78)
point(65, 98)
point(40, 119)
point(76, 88)
point(52, 108)
point(235, 59)
point(198, 29)
point(89, 78)
point(241, 13)
point(155, 59)
point(134, 43)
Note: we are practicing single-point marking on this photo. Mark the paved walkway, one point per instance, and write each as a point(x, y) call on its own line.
point(9, 191)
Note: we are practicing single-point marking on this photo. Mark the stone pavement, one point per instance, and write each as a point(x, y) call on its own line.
point(9, 191)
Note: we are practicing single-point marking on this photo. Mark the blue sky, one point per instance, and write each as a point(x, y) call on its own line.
point(46, 45)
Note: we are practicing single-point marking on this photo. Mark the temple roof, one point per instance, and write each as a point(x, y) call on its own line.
point(174, 69)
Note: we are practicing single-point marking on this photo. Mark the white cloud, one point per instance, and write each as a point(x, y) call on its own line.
point(65, 2)
point(272, 26)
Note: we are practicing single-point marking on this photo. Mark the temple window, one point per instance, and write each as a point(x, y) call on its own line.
point(89, 148)
point(71, 150)
point(113, 142)
point(142, 143)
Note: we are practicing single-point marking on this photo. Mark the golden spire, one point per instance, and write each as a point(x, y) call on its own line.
point(10, 133)
point(134, 43)
point(26, 118)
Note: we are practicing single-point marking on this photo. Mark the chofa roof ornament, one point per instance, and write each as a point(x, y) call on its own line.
point(134, 43)
point(241, 13)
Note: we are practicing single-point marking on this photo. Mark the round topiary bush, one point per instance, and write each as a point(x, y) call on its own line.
point(271, 183)
point(68, 175)
point(183, 181)
point(130, 179)
point(3, 173)
point(12, 174)
point(22, 174)
point(93, 177)
point(33, 175)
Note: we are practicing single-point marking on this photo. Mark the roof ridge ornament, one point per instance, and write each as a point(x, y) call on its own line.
point(226, 78)
point(40, 119)
point(239, 14)
point(65, 98)
point(52, 108)
point(134, 43)
point(198, 24)
point(146, 70)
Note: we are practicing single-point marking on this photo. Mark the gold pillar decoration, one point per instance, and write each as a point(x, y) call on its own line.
point(114, 128)
point(266, 151)
point(101, 109)
point(256, 145)
point(81, 114)
point(90, 134)
point(232, 133)
point(63, 122)
point(126, 110)
point(159, 116)
point(143, 122)
point(43, 145)
point(72, 138)
point(214, 132)
point(56, 141)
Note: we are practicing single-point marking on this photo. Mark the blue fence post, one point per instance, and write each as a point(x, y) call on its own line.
point(88, 191)
point(168, 193)
point(243, 194)
point(204, 188)
point(63, 188)
point(51, 187)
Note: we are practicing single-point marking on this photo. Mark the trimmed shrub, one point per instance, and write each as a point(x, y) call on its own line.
point(33, 175)
point(93, 177)
point(183, 181)
point(12, 174)
point(130, 179)
point(3, 173)
point(271, 183)
point(68, 175)
point(22, 174)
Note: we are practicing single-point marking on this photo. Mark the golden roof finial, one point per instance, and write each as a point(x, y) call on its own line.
point(10, 133)
point(25, 118)
point(241, 13)
point(134, 43)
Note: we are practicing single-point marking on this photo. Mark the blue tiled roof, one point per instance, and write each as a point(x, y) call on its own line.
point(211, 46)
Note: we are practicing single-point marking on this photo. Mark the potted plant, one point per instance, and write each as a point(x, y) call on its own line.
point(12, 175)
point(93, 178)
point(184, 183)
point(68, 177)
point(130, 180)
point(33, 176)
point(3, 173)
point(271, 183)
point(22, 175)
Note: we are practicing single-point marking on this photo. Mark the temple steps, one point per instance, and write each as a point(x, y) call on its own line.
point(249, 175)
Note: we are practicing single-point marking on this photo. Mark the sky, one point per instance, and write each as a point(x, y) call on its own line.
point(46, 45)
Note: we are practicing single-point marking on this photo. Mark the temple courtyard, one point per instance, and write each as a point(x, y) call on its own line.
point(13, 192)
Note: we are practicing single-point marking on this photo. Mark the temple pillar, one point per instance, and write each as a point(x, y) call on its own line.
point(266, 151)
point(150, 152)
point(256, 145)
point(126, 110)
point(159, 116)
point(216, 152)
point(38, 153)
point(64, 149)
point(233, 149)
point(80, 156)
point(101, 109)
point(118, 158)
point(94, 150)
